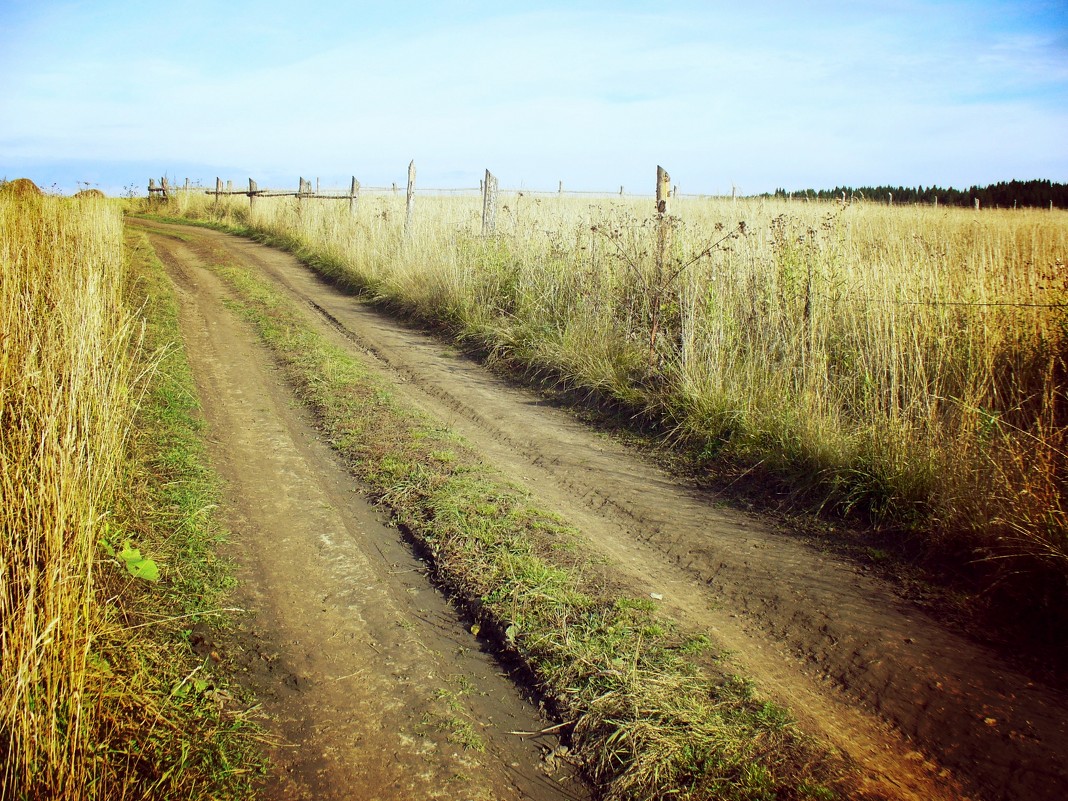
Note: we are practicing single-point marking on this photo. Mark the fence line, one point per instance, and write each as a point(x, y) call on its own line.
point(304, 190)
point(488, 188)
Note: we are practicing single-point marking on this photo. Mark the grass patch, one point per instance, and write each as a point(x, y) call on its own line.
point(646, 719)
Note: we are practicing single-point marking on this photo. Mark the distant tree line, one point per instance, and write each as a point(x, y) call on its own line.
point(1004, 194)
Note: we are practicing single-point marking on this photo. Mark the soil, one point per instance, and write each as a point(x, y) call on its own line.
point(922, 710)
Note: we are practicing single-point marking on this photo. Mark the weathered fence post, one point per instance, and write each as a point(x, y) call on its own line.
point(303, 191)
point(977, 204)
point(621, 191)
point(218, 191)
point(252, 190)
point(489, 204)
point(663, 192)
point(410, 201)
point(354, 196)
point(186, 187)
point(166, 188)
point(229, 186)
point(151, 188)
point(561, 189)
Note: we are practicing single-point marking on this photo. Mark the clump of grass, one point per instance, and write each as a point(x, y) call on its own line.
point(905, 367)
point(647, 721)
point(96, 700)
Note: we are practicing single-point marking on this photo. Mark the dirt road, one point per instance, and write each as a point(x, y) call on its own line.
point(924, 712)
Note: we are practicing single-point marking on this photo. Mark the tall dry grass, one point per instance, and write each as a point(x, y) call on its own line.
point(908, 363)
point(65, 373)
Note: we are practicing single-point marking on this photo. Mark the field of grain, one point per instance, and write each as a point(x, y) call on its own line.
point(101, 506)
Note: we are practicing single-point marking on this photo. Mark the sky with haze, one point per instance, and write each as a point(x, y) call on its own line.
point(749, 95)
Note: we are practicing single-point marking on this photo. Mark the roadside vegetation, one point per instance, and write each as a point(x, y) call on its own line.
point(900, 367)
point(105, 538)
point(649, 712)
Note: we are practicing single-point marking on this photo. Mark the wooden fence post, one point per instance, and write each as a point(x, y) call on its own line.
point(354, 196)
point(252, 190)
point(229, 186)
point(166, 188)
point(489, 204)
point(218, 190)
point(186, 187)
point(410, 202)
point(561, 189)
point(663, 192)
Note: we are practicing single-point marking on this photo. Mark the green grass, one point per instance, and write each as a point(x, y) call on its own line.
point(646, 719)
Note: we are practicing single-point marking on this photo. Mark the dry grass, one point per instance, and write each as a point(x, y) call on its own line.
point(906, 365)
point(65, 404)
point(98, 697)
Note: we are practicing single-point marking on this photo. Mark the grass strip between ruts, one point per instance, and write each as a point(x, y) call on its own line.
point(648, 722)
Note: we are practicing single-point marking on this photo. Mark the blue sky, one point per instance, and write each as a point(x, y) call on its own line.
point(753, 95)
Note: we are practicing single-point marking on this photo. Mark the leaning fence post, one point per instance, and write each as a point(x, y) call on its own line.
point(354, 196)
point(489, 204)
point(410, 201)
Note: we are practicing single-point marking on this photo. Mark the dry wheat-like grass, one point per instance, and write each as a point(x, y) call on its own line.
point(65, 373)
